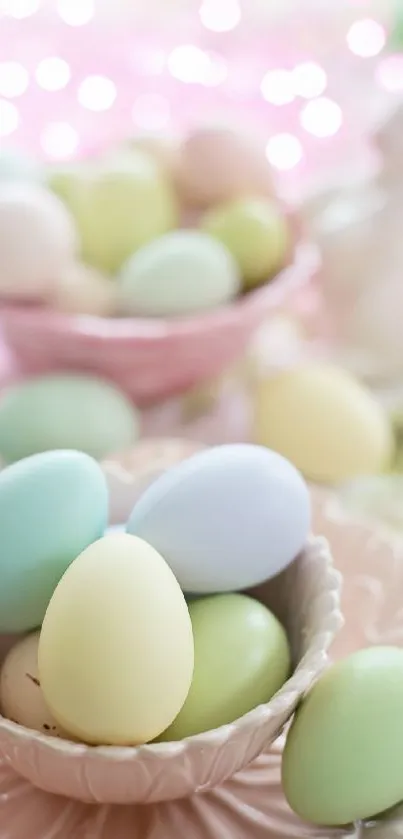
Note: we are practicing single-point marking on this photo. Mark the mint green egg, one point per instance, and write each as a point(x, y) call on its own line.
point(17, 167)
point(65, 412)
point(343, 760)
point(52, 506)
point(242, 658)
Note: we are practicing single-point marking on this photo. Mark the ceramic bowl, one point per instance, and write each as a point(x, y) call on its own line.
point(152, 359)
point(306, 598)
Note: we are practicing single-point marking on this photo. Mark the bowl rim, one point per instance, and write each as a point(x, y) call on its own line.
point(303, 265)
point(309, 667)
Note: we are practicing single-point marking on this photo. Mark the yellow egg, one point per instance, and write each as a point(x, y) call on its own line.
point(116, 649)
point(324, 421)
point(82, 290)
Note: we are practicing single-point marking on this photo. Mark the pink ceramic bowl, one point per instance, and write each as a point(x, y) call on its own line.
point(306, 598)
point(152, 359)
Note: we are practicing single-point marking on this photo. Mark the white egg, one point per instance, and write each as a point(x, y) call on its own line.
point(227, 518)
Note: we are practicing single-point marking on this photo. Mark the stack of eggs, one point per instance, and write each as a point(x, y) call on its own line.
point(142, 632)
point(111, 236)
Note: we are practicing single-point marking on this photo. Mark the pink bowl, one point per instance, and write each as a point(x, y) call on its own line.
point(152, 359)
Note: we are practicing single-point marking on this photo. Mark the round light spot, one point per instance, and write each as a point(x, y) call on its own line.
point(151, 112)
point(19, 9)
point(192, 65)
point(278, 88)
point(9, 118)
point(309, 80)
point(322, 117)
point(366, 38)
point(284, 151)
point(76, 12)
point(389, 73)
point(53, 73)
point(59, 140)
point(14, 79)
point(222, 16)
point(97, 93)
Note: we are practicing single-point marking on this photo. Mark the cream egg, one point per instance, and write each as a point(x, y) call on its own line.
point(218, 164)
point(84, 290)
point(181, 273)
point(116, 649)
point(38, 240)
point(21, 697)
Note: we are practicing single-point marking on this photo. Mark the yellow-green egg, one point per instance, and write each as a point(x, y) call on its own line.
point(256, 233)
point(65, 412)
point(324, 421)
point(343, 760)
point(242, 658)
point(116, 647)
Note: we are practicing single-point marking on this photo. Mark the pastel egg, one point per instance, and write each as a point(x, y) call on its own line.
point(21, 697)
point(18, 167)
point(116, 649)
point(118, 204)
point(324, 421)
point(63, 411)
point(82, 290)
point(38, 240)
point(163, 149)
point(255, 232)
point(52, 505)
point(128, 473)
point(225, 519)
point(242, 658)
point(181, 273)
point(219, 163)
point(343, 760)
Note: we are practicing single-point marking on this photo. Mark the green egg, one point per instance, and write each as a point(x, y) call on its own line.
point(242, 658)
point(65, 412)
point(343, 760)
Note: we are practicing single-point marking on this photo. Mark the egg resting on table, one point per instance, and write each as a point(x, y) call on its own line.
point(65, 411)
point(116, 649)
point(38, 240)
point(181, 273)
point(52, 505)
point(242, 658)
point(227, 518)
point(21, 697)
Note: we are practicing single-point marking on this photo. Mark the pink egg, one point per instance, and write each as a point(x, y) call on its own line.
point(38, 240)
point(217, 164)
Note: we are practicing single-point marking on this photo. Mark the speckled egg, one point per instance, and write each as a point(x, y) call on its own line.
point(52, 505)
point(343, 760)
point(218, 164)
point(257, 234)
point(21, 697)
point(323, 421)
point(181, 273)
point(38, 240)
point(116, 649)
point(63, 411)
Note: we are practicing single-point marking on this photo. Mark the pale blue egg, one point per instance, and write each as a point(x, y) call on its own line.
point(227, 518)
point(52, 506)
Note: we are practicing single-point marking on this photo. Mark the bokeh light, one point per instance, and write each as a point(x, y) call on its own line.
point(366, 38)
point(59, 140)
point(389, 73)
point(309, 80)
point(76, 12)
point(9, 118)
point(19, 9)
point(53, 73)
point(278, 87)
point(284, 151)
point(191, 65)
point(220, 15)
point(97, 93)
point(14, 79)
point(322, 117)
point(151, 112)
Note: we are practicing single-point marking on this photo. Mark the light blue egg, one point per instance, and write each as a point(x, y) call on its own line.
point(52, 506)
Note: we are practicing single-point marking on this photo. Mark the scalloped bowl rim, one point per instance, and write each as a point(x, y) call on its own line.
point(250, 721)
point(306, 260)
